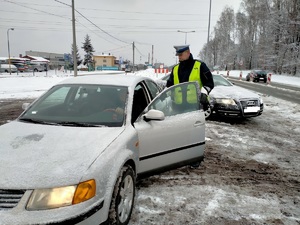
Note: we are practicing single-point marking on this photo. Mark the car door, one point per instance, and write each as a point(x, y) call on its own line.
point(177, 139)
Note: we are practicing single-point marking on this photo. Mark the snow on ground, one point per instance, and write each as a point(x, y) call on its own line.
point(29, 85)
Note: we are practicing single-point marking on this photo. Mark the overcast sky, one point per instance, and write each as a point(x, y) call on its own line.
point(113, 25)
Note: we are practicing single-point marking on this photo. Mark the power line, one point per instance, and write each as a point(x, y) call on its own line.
point(35, 9)
point(94, 23)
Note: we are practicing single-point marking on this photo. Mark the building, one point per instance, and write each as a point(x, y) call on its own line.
point(56, 60)
point(105, 62)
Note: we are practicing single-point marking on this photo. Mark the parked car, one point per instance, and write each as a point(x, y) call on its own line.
point(21, 67)
point(258, 75)
point(233, 101)
point(38, 67)
point(72, 158)
point(4, 68)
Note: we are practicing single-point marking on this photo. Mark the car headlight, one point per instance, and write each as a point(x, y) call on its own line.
point(50, 198)
point(225, 101)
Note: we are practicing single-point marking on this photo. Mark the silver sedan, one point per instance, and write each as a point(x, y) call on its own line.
point(74, 154)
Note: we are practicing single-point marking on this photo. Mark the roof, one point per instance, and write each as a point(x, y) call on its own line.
point(36, 58)
point(107, 79)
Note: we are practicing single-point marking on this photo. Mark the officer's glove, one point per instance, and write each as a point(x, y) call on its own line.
point(204, 101)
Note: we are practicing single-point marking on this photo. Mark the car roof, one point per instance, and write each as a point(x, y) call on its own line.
point(107, 79)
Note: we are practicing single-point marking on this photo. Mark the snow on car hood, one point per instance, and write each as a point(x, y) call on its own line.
point(34, 155)
point(234, 92)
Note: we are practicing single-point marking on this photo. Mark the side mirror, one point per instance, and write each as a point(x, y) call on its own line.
point(153, 114)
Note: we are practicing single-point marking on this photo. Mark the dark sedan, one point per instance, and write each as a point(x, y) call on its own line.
point(233, 101)
point(257, 75)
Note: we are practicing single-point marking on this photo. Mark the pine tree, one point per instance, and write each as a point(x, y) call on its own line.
point(88, 48)
point(79, 60)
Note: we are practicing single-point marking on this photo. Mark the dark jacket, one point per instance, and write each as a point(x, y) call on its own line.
point(184, 71)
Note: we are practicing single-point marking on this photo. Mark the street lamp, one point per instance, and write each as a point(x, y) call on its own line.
point(9, 48)
point(186, 33)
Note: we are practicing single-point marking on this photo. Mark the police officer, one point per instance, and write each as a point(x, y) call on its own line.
point(189, 69)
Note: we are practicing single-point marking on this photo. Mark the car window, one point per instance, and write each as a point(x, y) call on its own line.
point(140, 101)
point(80, 105)
point(56, 97)
point(153, 88)
point(178, 99)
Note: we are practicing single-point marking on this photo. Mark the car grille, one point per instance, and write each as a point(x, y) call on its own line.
point(10, 198)
point(249, 103)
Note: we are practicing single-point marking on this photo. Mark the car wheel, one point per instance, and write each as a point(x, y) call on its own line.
point(265, 80)
point(208, 112)
point(35, 70)
point(123, 197)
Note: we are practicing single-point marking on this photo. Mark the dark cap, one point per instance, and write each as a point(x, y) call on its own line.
point(181, 48)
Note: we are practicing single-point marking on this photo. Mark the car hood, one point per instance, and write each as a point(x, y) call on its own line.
point(233, 92)
point(37, 156)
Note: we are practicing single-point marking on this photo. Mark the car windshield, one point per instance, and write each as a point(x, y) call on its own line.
point(79, 105)
point(221, 81)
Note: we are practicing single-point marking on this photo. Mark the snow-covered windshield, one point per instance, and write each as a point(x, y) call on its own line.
point(79, 105)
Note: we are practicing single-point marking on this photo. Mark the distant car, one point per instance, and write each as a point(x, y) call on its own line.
point(258, 75)
point(5, 68)
point(38, 67)
point(21, 67)
point(233, 101)
point(73, 158)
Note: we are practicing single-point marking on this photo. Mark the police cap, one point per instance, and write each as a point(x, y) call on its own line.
point(181, 48)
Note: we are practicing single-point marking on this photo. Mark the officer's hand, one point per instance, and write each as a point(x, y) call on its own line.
point(204, 101)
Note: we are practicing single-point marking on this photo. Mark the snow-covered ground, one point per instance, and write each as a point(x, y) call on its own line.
point(250, 174)
point(29, 85)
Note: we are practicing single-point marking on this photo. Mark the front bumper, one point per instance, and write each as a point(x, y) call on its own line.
point(239, 110)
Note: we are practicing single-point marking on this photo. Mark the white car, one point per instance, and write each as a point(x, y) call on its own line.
point(73, 156)
point(5, 68)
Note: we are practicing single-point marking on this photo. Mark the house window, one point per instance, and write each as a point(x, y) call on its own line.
point(104, 60)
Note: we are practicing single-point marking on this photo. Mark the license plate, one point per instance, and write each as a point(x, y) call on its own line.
point(251, 109)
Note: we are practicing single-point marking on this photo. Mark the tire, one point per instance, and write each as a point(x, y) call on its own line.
point(35, 70)
point(265, 80)
point(123, 197)
point(207, 113)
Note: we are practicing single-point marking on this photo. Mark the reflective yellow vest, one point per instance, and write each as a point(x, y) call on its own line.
point(192, 92)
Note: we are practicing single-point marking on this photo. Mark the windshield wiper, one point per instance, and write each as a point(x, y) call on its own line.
point(36, 121)
point(78, 124)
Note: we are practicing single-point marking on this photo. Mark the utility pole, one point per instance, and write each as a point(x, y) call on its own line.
point(74, 40)
point(133, 57)
point(209, 22)
point(152, 55)
point(9, 63)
